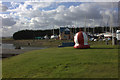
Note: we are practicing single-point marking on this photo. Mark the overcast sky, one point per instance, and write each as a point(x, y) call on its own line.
point(17, 16)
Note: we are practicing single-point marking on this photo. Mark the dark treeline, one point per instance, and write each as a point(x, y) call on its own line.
point(31, 34)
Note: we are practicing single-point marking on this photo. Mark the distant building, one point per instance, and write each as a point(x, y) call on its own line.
point(65, 34)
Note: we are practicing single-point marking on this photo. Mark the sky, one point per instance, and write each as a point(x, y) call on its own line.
point(17, 16)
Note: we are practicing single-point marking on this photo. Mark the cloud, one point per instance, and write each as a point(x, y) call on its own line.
point(8, 22)
point(23, 17)
point(37, 5)
point(3, 8)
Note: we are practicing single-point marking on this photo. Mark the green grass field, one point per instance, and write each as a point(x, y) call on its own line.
point(98, 62)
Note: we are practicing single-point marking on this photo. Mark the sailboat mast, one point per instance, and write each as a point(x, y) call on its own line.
point(107, 25)
point(53, 30)
point(93, 25)
point(85, 25)
point(111, 25)
point(75, 26)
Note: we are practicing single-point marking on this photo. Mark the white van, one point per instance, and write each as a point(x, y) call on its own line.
point(118, 34)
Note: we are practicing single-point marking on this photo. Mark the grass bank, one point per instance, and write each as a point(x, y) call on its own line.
point(98, 62)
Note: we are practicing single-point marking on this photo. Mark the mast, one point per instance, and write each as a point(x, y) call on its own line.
point(93, 25)
point(53, 30)
point(88, 28)
point(85, 25)
point(107, 24)
point(103, 24)
point(75, 26)
point(111, 25)
point(59, 30)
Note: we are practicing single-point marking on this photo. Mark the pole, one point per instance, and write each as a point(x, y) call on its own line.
point(75, 26)
point(113, 42)
point(103, 24)
point(111, 27)
point(85, 25)
point(107, 25)
point(53, 30)
point(59, 30)
point(93, 26)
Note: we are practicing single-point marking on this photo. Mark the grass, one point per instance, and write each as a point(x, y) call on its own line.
point(98, 62)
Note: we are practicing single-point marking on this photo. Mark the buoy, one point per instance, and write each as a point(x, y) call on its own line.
point(81, 40)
